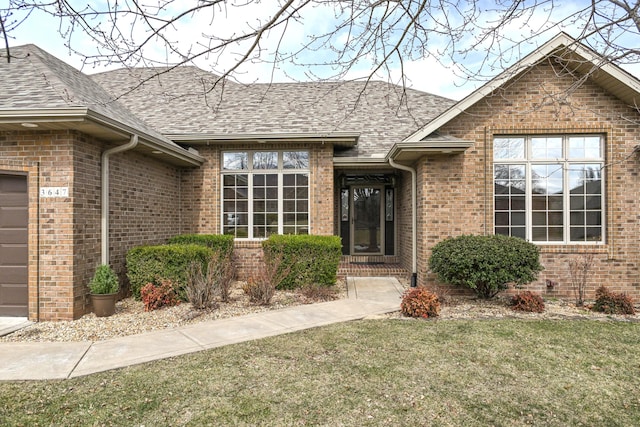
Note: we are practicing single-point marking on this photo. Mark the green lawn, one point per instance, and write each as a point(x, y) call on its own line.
point(375, 372)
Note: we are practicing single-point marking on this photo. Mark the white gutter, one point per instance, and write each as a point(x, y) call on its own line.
point(104, 215)
point(414, 219)
point(344, 139)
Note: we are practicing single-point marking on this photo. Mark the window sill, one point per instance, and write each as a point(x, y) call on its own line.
point(596, 248)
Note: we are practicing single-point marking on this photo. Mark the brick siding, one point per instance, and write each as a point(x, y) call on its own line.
point(456, 192)
point(144, 194)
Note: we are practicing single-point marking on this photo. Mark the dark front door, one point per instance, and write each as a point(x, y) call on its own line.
point(367, 236)
point(14, 219)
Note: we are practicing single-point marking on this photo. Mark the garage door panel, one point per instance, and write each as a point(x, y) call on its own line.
point(13, 184)
point(13, 236)
point(12, 294)
point(9, 310)
point(13, 217)
point(14, 274)
point(14, 256)
point(14, 200)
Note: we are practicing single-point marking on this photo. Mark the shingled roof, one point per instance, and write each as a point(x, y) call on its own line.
point(186, 100)
point(36, 80)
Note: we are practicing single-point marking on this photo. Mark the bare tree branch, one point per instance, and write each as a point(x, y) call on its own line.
point(328, 39)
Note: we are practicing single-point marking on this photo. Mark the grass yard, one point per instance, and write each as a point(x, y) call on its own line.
point(375, 372)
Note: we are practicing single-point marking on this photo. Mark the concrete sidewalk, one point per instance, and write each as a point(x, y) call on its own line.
point(38, 361)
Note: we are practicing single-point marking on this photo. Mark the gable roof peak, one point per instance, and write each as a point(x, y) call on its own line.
point(616, 80)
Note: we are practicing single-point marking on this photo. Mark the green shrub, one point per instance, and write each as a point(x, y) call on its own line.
point(420, 302)
point(104, 281)
point(309, 259)
point(613, 302)
point(485, 264)
point(527, 301)
point(151, 264)
point(222, 243)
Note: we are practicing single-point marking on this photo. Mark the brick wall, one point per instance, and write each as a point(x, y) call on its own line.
point(456, 192)
point(200, 202)
point(404, 224)
point(144, 205)
point(47, 157)
point(64, 233)
point(86, 218)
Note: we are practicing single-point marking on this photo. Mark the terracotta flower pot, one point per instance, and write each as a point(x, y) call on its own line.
point(104, 304)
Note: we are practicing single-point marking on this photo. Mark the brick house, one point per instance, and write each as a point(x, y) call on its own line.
point(91, 166)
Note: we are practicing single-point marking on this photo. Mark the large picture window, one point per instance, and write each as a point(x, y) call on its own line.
point(549, 189)
point(264, 193)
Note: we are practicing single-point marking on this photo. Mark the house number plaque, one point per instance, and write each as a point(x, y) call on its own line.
point(54, 192)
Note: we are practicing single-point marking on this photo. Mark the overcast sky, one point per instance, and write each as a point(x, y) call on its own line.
point(426, 74)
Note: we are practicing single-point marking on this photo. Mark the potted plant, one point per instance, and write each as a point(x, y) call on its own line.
point(104, 287)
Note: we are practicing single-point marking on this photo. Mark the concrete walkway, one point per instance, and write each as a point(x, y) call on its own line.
point(39, 361)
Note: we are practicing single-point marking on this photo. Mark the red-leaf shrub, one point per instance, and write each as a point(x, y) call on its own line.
point(613, 302)
point(420, 302)
point(527, 301)
point(160, 295)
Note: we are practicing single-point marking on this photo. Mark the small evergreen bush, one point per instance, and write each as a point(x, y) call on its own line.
point(104, 281)
point(613, 302)
point(309, 259)
point(151, 264)
point(420, 302)
point(485, 264)
point(527, 301)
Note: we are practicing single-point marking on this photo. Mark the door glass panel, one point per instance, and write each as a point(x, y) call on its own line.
point(367, 220)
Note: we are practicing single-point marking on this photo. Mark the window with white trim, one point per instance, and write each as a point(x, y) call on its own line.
point(264, 193)
point(549, 188)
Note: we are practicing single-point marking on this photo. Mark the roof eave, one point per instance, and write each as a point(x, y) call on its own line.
point(42, 115)
point(360, 162)
point(412, 151)
point(79, 117)
point(158, 146)
point(342, 139)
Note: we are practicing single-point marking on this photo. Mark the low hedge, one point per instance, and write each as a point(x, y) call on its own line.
point(218, 242)
point(147, 264)
point(311, 259)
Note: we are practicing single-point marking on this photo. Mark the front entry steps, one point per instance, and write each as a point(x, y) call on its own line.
point(371, 266)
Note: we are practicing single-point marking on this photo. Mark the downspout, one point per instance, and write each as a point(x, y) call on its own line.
point(38, 244)
point(414, 219)
point(104, 215)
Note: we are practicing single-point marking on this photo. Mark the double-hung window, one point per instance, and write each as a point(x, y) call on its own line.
point(264, 193)
point(549, 189)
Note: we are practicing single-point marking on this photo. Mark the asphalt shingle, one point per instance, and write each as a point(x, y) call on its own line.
point(188, 100)
point(34, 79)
